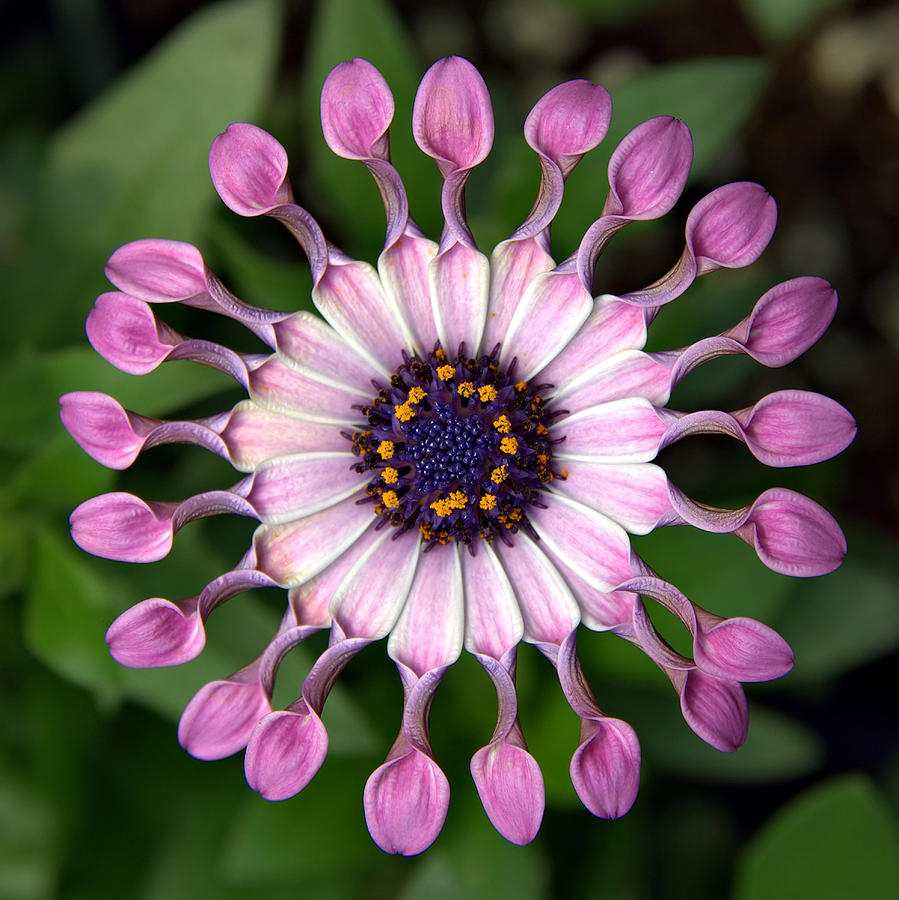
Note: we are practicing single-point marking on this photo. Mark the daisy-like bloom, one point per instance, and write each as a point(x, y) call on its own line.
point(453, 455)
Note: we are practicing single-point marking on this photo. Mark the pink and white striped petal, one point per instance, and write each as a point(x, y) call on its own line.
point(293, 553)
point(493, 623)
point(403, 268)
point(249, 170)
point(631, 373)
point(460, 285)
point(623, 431)
point(430, 630)
point(635, 496)
point(292, 487)
point(157, 632)
point(356, 111)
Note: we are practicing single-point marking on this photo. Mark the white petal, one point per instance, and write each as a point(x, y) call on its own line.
point(493, 623)
point(623, 431)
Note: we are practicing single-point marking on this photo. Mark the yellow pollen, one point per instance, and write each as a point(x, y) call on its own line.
point(520, 386)
point(502, 425)
point(404, 412)
point(457, 500)
point(541, 428)
point(440, 353)
point(444, 373)
point(487, 393)
point(385, 449)
point(441, 507)
point(466, 389)
point(415, 394)
point(390, 499)
point(509, 445)
point(390, 475)
point(499, 475)
point(487, 501)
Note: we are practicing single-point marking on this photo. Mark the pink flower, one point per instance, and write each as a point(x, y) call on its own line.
point(482, 492)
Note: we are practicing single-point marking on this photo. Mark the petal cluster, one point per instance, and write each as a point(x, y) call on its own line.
point(535, 575)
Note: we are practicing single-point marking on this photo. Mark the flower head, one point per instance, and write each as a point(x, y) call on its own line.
point(454, 454)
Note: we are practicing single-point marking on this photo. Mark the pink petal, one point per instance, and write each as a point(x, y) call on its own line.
point(430, 629)
point(796, 428)
point(649, 168)
point(249, 170)
point(568, 121)
point(623, 431)
point(356, 110)
point(124, 527)
point(510, 786)
point(284, 752)
point(493, 623)
point(405, 802)
point(793, 535)
point(452, 119)
point(460, 283)
point(124, 331)
point(715, 708)
point(731, 226)
point(220, 718)
point(158, 271)
point(157, 632)
point(742, 649)
point(101, 427)
point(291, 487)
point(635, 496)
point(605, 768)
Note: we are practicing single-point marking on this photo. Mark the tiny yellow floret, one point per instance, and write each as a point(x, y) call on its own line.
point(404, 412)
point(502, 425)
point(457, 500)
point(390, 499)
point(390, 475)
point(499, 475)
point(441, 507)
point(444, 373)
point(416, 393)
point(520, 386)
point(509, 445)
point(466, 389)
point(487, 393)
point(385, 449)
point(487, 501)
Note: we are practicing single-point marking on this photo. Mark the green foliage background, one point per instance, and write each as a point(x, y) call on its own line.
point(106, 130)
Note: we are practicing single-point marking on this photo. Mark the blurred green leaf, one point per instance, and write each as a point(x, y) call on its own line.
point(342, 30)
point(834, 841)
point(133, 163)
point(715, 97)
point(842, 620)
point(612, 13)
point(13, 554)
point(779, 21)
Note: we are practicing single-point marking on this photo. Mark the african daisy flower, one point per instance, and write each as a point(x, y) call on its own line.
point(455, 453)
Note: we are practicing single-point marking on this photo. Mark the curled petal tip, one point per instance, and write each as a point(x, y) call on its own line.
point(285, 750)
point(731, 226)
point(649, 168)
point(743, 649)
point(249, 170)
point(406, 800)
point(220, 718)
point(452, 119)
point(158, 271)
point(157, 632)
point(605, 768)
point(510, 785)
point(356, 110)
point(124, 331)
point(715, 708)
point(101, 427)
point(568, 121)
point(123, 527)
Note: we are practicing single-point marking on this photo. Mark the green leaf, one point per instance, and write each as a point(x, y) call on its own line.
point(834, 841)
point(779, 21)
point(341, 30)
point(133, 164)
point(715, 97)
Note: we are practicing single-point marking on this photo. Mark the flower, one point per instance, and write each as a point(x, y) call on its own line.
point(455, 453)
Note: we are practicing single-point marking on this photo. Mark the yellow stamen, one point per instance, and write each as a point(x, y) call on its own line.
point(444, 373)
point(441, 507)
point(415, 394)
point(440, 353)
point(487, 501)
point(509, 445)
point(487, 393)
point(541, 428)
point(385, 449)
point(520, 386)
point(499, 475)
point(404, 412)
point(390, 499)
point(457, 500)
point(390, 475)
point(466, 389)
point(502, 425)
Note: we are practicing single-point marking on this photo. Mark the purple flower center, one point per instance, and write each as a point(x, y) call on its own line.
point(456, 448)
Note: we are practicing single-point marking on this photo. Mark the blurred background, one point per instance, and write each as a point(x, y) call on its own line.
point(107, 112)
